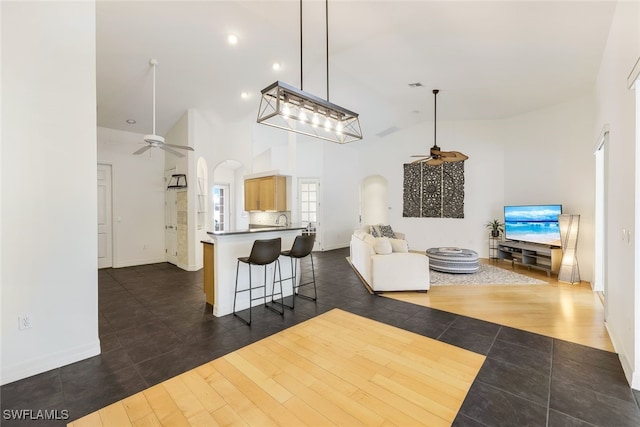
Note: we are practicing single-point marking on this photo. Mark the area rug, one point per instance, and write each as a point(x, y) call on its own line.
point(486, 275)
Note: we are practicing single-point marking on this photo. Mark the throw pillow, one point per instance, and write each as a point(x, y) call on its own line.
point(399, 245)
point(382, 246)
point(387, 231)
point(370, 240)
point(375, 231)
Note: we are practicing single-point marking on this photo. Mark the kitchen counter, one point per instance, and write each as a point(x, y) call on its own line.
point(256, 228)
point(225, 249)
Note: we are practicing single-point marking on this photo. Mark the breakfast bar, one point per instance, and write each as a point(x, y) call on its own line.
point(221, 253)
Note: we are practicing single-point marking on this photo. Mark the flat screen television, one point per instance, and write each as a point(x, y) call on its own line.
point(533, 224)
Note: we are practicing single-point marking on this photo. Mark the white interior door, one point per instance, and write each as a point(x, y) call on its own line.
point(170, 221)
point(309, 207)
point(105, 232)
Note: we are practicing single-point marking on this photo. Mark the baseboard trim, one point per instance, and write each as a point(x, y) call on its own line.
point(188, 267)
point(339, 246)
point(633, 378)
point(44, 363)
point(134, 262)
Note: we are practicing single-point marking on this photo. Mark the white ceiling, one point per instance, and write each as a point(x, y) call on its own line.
point(489, 59)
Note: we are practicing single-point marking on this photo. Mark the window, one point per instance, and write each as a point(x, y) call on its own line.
point(220, 207)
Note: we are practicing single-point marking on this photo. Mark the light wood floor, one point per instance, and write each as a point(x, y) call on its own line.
point(335, 369)
point(570, 312)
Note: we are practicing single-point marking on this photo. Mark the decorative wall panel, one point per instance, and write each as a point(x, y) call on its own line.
point(433, 191)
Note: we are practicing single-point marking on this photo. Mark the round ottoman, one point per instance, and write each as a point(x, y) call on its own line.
point(453, 260)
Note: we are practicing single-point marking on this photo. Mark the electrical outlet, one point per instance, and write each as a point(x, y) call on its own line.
point(24, 322)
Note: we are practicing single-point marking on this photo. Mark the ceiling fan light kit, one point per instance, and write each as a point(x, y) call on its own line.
point(157, 141)
point(286, 107)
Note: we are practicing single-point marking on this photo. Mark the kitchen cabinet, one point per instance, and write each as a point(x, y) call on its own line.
point(268, 193)
point(208, 270)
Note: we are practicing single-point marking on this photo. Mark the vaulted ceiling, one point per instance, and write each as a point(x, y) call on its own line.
point(489, 59)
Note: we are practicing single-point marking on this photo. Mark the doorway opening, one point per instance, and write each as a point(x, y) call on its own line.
point(601, 153)
point(105, 227)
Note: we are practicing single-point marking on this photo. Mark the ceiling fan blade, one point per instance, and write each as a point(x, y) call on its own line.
point(142, 150)
point(421, 155)
point(453, 156)
point(169, 150)
point(181, 147)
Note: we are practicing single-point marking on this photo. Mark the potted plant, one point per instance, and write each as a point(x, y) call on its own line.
point(496, 227)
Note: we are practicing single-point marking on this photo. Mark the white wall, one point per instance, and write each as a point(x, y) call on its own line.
point(339, 187)
point(482, 141)
point(548, 158)
point(49, 196)
point(138, 197)
point(181, 133)
point(616, 107)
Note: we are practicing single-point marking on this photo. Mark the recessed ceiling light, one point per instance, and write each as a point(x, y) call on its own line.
point(232, 39)
point(244, 95)
point(276, 66)
point(131, 121)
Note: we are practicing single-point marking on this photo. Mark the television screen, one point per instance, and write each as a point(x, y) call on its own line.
point(533, 223)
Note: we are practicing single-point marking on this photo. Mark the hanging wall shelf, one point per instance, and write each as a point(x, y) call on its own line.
point(177, 181)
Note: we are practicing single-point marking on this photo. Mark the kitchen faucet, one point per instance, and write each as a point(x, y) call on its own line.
point(286, 220)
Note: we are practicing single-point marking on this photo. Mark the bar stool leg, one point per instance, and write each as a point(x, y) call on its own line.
point(315, 291)
point(235, 296)
point(293, 287)
point(273, 287)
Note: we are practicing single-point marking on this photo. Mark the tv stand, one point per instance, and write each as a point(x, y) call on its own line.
point(531, 255)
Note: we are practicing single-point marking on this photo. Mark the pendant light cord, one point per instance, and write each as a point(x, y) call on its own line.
point(435, 111)
point(154, 98)
point(301, 85)
point(326, 28)
point(326, 11)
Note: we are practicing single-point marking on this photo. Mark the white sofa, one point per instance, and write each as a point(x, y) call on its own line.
point(388, 270)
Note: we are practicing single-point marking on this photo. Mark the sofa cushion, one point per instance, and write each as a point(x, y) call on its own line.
point(399, 245)
point(382, 246)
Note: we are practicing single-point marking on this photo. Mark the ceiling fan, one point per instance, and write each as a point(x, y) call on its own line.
point(436, 156)
point(157, 141)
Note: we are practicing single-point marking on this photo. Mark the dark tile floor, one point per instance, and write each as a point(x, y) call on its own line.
point(154, 324)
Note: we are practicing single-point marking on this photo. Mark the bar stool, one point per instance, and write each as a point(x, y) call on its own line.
point(302, 247)
point(263, 252)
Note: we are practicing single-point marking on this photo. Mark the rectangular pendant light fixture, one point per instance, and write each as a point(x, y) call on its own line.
point(287, 107)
